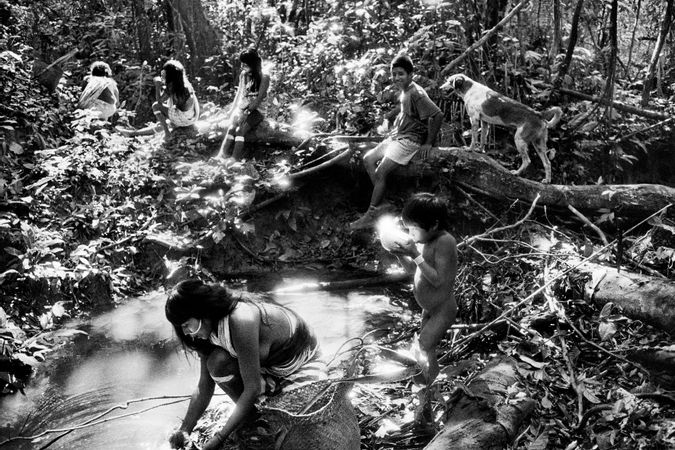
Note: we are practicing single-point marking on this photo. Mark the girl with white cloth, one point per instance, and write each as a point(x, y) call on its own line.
point(100, 95)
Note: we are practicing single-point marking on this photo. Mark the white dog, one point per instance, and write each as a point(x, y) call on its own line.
point(482, 103)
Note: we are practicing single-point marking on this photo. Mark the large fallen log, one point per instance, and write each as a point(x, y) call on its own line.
point(480, 418)
point(480, 173)
point(640, 296)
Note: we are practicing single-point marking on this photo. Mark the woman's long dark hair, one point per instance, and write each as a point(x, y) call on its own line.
point(196, 299)
point(251, 58)
point(177, 84)
point(100, 69)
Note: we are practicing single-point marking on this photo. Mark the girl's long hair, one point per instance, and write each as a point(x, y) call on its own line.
point(177, 84)
point(252, 59)
point(196, 299)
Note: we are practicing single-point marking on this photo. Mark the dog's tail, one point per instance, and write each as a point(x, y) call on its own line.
point(557, 114)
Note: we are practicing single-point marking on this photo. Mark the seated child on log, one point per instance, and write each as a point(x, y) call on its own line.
point(431, 254)
point(245, 346)
point(418, 120)
point(100, 95)
point(247, 108)
point(176, 102)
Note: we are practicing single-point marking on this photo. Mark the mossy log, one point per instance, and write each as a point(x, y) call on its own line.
point(641, 297)
point(480, 418)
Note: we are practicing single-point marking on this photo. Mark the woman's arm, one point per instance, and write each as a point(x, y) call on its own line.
point(198, 402)
point(240, 93)
point(245, 333)
point(262, 92)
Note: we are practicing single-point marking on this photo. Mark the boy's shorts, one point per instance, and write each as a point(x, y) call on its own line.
point(400, 151)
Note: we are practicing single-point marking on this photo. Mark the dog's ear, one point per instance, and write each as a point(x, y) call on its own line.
point(459, 82)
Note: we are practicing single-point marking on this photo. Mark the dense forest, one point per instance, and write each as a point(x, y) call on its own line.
point(565, 289)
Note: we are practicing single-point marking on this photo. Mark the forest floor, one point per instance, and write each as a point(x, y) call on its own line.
point(132, 213)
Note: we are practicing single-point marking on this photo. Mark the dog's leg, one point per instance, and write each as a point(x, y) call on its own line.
point(540, 147)
point(484, 129)
point(475, 122)
point(521, 145)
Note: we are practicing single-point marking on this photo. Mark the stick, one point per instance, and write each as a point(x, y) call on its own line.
point(573, 377)
point(95, 420)
point(323, 165)
point(585, 220)
point(470, 240)
point(619, 106)
point(513, 308)
point(485, 37)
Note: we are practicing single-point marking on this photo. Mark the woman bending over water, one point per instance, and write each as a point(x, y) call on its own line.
point(101, 94)
point(247, 348)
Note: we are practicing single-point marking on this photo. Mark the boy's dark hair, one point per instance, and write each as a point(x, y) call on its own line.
point(100, 69)
point(404, 62)
point(426, 210)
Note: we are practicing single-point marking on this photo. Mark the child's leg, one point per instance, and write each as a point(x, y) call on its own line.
point(239, 140)
point(161, 113)
point(227, 144)
point(383, 170)
point(432, 331)
point(371, 158)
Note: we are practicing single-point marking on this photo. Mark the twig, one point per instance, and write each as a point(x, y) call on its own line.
point(470, 240)
point(323, 165)
point(479, 204)
point(95, 420)
point(485, 37)
point(541, 288)
point(585, 220)
point(573, 377)
point(656, 125)
point(136, 235)
point(603, 349)
point(591, 412)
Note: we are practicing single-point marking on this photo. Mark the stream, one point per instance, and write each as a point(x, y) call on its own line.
point(130, 353)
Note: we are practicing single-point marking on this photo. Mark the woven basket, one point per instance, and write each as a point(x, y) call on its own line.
point(329, 424)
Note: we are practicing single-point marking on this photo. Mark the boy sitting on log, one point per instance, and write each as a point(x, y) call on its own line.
point(418, 120)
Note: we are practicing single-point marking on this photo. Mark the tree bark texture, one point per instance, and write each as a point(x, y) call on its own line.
point(642, 297)
point(611, 62)
point(557, 29)
point(480, 173)
point(143, 31)
point(200, 37)
point(663, 35)
point(480, 418)
point(574, 35)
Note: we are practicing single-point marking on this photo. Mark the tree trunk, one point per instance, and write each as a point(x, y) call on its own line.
point(632, 38)
point(142, 31)
point(574, 34)
point(484, 420)
point(480, 173)
point(642, 297)
point(557, 30)
point(660, 361)
point(611, 63)
point(651, 70)
point(200, 37)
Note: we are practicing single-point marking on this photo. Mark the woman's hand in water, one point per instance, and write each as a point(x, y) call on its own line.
point(179, 439)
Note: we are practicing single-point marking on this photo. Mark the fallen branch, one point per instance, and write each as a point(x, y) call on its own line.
point(323, 165)
point(573, 377)
point(484, 39)
point(540, 289)
point(95, 420)
point(585, 220)
point(616, 105)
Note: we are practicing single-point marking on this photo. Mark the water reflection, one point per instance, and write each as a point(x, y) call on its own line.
point(130, 353)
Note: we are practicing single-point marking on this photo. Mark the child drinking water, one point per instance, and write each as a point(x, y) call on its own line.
point(431, 255)
point(247, 107)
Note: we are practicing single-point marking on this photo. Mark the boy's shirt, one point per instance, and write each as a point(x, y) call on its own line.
point(416, 108)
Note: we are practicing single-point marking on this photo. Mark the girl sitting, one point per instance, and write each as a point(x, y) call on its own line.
point(100, 95)
point(176, 101)
point(246, 347)
point(247, 108)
